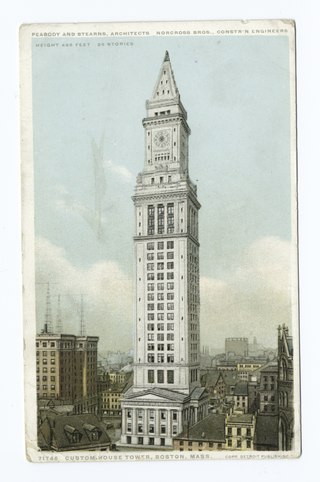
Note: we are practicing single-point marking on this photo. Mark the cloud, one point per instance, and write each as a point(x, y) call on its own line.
point(107, 296)
point(253, 300)
point(93, 217)
point(121, 171)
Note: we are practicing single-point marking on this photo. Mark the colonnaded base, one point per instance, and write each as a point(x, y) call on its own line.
point(152, 418)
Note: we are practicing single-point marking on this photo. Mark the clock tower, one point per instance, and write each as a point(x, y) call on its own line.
point(166, 393)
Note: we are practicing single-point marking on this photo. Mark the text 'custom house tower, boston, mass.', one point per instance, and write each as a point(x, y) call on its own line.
point(166, 397)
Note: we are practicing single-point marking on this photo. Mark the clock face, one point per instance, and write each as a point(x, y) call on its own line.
point(162, 138)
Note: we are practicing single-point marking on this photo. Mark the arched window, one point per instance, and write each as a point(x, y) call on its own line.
point(281, 399)
point(283, 373)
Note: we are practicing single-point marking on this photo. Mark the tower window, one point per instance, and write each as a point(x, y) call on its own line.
point(170, 217)
point(160, 218)
point(150, 219)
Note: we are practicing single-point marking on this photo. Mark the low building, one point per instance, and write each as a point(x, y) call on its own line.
point(72, 432)
point(117, 377)
point(110, 401)
point(253, 395)
point(268, 389)
point(240, 397)
point(208, 434)
point(221, 385)
point(236, 346)
point(240, 429)
point(225, 365)
point(214, 383)
point(244, 369)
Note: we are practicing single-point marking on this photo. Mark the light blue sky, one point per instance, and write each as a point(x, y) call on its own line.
point(236, 93)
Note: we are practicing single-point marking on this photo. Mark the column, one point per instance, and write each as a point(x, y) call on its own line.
point(156, 422)
point(180, 424)
point(169, 423)
point(134, 422)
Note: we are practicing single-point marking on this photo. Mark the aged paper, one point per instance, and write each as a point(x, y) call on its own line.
point(160, 241)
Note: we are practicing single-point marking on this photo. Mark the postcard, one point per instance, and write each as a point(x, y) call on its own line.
point(159, 234)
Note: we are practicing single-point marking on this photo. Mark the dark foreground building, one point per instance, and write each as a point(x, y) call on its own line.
point(73, 432)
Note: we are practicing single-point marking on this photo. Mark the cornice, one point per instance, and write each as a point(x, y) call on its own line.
point(169, 118)
point(166, 236)
point(170, 195)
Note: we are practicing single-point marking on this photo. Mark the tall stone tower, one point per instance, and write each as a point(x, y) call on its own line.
point(166, 393)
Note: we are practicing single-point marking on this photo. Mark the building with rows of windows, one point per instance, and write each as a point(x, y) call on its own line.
point(166, 393)
point(67, 370)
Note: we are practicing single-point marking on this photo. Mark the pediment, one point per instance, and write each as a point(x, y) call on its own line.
point(156, 396)
point(150, 396)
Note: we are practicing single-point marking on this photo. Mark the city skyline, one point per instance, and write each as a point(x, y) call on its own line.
point(245, 221)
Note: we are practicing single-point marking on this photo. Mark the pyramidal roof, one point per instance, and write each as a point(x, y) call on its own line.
point(166, 87)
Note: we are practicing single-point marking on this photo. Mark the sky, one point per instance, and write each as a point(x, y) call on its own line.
point(88, 106)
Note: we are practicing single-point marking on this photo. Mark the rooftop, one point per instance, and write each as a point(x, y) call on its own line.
point(211, 428)
point(57, 432)
point(241, 388)
point(269, 367)
point(267, 430)
point(241, 418)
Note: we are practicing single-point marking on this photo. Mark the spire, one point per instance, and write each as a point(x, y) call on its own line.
point(166, 57)
point(59, 317)
point(48, 315)
point(82, 320)
point(166, 87)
